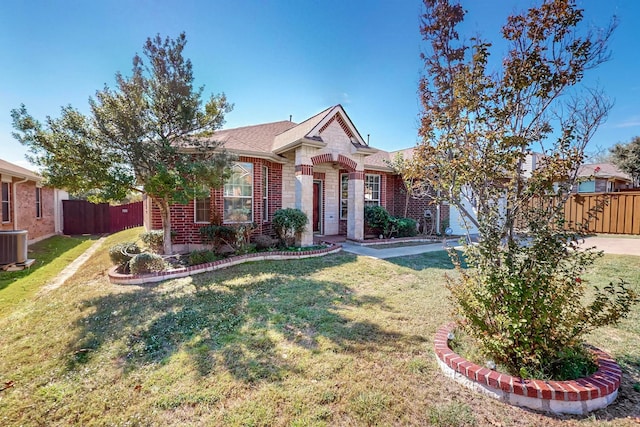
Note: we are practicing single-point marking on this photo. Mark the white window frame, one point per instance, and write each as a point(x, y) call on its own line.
point(196, 209)
point(38, 202)
point(344, 195)
point(228, 189)
point(6, 202)
point(265, 193)
point(372, 201)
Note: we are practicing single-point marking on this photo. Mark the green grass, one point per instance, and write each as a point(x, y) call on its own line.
point(51, 255)
point(336, 340)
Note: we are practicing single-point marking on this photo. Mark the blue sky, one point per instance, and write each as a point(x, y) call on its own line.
point(272, 58)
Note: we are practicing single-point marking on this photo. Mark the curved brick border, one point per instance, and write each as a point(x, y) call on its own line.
point(138, 279)
point(563, 397)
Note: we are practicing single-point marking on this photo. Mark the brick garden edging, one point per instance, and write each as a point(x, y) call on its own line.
point(138, 279)
point(578, 397)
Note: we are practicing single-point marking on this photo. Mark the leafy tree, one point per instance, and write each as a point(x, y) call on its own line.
point(413, 187)
point(150, 133)
point(522, 297)
point(627, 158)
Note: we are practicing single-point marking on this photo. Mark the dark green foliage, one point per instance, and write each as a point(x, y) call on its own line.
point(377, 217)
point(406, 227)
point(146, 263)
point(288, 224)
point(218, 235)
point(154, 240)
point(573, 363)
point(202, 257)
point(627, 158)
point(122, 253)
point(153, 131)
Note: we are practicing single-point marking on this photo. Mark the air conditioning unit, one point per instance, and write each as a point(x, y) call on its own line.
point(13, 247)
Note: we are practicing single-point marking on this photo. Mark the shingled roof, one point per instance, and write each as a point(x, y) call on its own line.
point(299, 131)
point(603, 170)
point(256, 138)
point(265, 140)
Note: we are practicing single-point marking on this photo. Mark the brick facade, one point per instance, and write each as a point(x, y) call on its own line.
point(187, 231)
point(25, 207)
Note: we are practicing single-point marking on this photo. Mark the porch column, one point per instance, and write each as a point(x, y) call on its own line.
point(304, 192)
point(355, 215)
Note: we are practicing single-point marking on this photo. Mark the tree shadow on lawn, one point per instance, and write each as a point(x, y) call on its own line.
point(238, 318)
point(438, 260)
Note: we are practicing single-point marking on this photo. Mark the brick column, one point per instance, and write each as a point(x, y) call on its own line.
point(355, 216)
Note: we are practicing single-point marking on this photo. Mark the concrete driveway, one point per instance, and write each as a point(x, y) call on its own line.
point(615, 245)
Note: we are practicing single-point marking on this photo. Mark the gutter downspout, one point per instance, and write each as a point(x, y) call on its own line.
point(15, 202)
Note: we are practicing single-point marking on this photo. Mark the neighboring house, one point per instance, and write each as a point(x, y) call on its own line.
point(602, 178)
point(27, 204)
point(321, 166)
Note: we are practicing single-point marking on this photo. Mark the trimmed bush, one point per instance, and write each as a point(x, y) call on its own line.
point(154, 240)
point(146, 263)
point(288, 224)
point(202, 257)
point(121, 253)
point(377, 217)
point(406, 227)
point(218, 235)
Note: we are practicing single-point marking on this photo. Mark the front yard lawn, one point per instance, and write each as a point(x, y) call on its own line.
point(52, 255)
point(336, 340)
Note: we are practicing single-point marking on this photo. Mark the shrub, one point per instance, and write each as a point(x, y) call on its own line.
point(146, 263)
point(202, 257)
point(235, 236)
point(154, 240)
point(121, 253)
point(264, 242)
point(218, 235)
point(288, 224)
point(543, 307)
point(377, 217)
point(406, 227)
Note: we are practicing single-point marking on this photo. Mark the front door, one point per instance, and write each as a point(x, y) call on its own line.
point(317, 206)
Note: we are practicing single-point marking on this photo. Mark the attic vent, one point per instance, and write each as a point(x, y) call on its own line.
point(13, 246)
point(341, 122)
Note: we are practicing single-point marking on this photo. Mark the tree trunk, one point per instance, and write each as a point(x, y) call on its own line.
point(165, 215)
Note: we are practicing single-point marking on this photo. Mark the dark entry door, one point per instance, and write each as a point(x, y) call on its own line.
point(316, 206)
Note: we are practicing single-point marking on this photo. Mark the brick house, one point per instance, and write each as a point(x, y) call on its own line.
point(27, 204)
point(321, 166)
point(602, 178)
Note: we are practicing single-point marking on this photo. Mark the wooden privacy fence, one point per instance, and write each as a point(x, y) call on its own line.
point(82, 217)
point(620, 212)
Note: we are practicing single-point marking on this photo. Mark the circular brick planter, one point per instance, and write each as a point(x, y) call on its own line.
point(579, 397)
point(138, 279)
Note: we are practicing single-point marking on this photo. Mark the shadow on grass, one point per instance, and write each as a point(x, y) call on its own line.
point(438, 259)
point(236, 318)
point(44, 252)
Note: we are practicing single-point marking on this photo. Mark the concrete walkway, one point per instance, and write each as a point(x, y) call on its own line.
point(71, 269)
point(610, 245)
point(614, 245)
point(372, 252)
